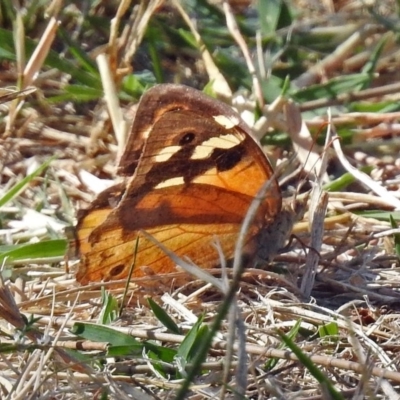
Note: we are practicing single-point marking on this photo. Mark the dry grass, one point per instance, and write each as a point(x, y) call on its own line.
point(342, 55)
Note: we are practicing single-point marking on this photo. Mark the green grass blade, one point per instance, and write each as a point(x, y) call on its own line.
point(379, 214)
point(53, 60)
point(270, 364)
point(315, 371)
point(332, 88)
point(20, 186)
point(110, 310)
point(396, 236)
point(345, 180)
point(80, 55)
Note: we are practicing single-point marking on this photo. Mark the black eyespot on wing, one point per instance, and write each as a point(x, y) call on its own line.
point(115, 271)
point(187, 138)
point(227, 159)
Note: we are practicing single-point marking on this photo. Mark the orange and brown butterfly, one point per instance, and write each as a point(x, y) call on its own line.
point(193, 169)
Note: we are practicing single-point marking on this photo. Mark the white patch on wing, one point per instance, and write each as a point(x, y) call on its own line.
point(170, 182)
point(146, 132)
point(204, 150)
point(226, 122)
point(166, 153)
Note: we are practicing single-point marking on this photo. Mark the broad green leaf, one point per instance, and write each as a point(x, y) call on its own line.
point(331, 329)
point(104, 334)
point(163, 317)
point(44, 249)
point(189, 341)
point(201, 334)
point(269, 12)
point(123, 351)
point(161, 353)
point(156, 353)
point(272, 88)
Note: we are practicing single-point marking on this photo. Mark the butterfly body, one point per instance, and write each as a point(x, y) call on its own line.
point(193, 170)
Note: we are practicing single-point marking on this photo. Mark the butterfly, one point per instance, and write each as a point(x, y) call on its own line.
point(192, 170)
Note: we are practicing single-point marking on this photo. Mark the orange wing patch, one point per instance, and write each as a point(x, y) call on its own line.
point(108, 249)
point(112, 259)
